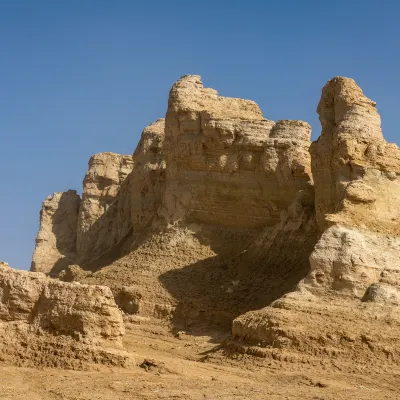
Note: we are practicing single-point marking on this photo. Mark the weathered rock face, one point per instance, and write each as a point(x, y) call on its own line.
point(126, 207)
point(102, 183)
point(226, 164)
point(354, 169)
point(46, 313)
point(121, 195)
point(147, 181)
point(357, 191)
point(56, 240)
point(71, 309)
point(217, 218)
point(347, 306)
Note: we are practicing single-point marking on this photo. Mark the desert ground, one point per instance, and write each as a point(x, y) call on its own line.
point(184, 366)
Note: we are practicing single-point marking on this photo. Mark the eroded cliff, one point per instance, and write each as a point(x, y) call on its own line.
point(220, 212)
point(52, 323)
point(347, 306)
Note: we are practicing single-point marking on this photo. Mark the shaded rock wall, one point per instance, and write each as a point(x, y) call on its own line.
point(56, 241)
point(107, 172)
point(147, 180)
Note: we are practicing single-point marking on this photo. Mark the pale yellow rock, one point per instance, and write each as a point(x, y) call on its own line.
point(61, 324)
point(357, 191)
point(147, 180)
point(348, 305)
point(106, 174)
point(216, 219)
point(226, 164)
point(121, 211)
point(354, 169)
point(66, 308)
point(56, 241)
point(384, 294)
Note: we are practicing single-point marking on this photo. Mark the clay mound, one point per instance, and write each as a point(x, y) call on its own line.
point(51, 323)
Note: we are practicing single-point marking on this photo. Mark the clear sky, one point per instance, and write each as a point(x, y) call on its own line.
point(79, 77)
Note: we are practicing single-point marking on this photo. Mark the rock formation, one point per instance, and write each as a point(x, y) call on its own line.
point(147, 180)
point(205, 196)
point(344, 307)
point(221, 212)
point(48, 322)
point(357, 192)
point(118, 201)
point(56, 241)
point(226, 164)
point(102, 183)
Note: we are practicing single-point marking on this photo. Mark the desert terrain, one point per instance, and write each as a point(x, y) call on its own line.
point(228, 258)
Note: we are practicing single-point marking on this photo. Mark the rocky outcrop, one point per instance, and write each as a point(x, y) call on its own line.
point(206, 182)
point(48, 322)
point(129, 206)
point(102, 183)
point(147, 181)
point(120, 197)
point(56, 241)
point(217, 189)
point(347, 306)
point(221, 212)
point(357, 193)
point(226, 164)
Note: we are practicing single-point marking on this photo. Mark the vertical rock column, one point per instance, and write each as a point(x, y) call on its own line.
point(357, 194)
point(56, 241)
point(102, 183)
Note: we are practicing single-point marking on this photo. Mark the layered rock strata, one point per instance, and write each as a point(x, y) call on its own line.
point(225, 211)
point(120, 197)
point(347, 306)
point(48, 322)
point(107, 173)
point(357, 192)
point(230, 176)
point(226, 164)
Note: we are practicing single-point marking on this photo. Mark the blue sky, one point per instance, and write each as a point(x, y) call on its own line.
point(79, 77)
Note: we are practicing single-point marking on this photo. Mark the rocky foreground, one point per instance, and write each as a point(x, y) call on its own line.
point(223, 221)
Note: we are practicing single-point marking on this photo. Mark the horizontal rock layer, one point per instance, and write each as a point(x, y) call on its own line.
point(73, 322)
point(220, 212)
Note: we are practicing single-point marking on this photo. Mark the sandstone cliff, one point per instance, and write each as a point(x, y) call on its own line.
point(226, 164)
point(347, 305)
point(209, 211)
point(221, 212)
point(120, 197)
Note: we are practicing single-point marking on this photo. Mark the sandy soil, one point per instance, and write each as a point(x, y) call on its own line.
point(192, 367)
